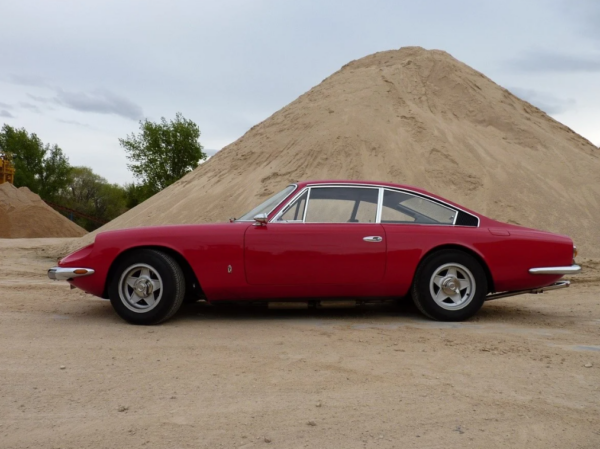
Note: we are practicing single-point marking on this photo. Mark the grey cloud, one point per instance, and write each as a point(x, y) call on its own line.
point(5, 106)
point(587, 16)
point(210, 152)
point(5, 113)
point(28, 80)
point(76, 123)
point(30, 107)
point(543, 61)
point(101, 101)
point(544, 100)
point(40, 99)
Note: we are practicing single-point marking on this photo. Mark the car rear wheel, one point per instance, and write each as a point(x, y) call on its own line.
point(148, 287)
point(449, 286)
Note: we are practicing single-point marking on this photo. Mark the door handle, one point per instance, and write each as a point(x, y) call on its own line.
point(373, 238)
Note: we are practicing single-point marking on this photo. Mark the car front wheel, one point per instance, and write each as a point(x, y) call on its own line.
point(148, 287)
point(449, 286)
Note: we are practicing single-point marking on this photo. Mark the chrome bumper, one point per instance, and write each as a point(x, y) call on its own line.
point(64, 274)
point(573, 269)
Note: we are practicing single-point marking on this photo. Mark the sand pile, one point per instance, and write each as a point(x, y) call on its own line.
point(24, 215)
point(409, 116)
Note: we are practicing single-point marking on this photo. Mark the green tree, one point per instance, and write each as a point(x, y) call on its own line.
point(136, 194)
point(92, 195)
point(163, 152)
point(43, 168)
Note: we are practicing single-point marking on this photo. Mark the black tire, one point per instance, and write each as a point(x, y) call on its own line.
point(160, 303)
point(427, 294)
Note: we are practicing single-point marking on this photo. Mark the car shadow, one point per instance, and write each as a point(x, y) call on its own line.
point(201, 311)
point(402, 313)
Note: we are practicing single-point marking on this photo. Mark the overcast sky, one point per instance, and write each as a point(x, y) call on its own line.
point(82, 73)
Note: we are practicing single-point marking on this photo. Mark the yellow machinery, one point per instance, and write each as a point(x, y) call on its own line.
point(7, 169)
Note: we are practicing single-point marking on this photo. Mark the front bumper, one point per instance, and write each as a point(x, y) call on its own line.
point(573, 269)
point(64, 274)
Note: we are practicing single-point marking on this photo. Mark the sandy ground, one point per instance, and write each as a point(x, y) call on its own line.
point(73, 375)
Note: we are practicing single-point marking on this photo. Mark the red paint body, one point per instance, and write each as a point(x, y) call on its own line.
point(327, 260)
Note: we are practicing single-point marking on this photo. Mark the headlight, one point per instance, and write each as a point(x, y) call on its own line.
point(574, 252)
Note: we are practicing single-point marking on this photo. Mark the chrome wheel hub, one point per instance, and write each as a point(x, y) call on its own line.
point(140, 288)
point(143, 287)
point(452, 286)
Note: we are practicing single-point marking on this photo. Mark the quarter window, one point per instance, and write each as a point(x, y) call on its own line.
point(295, 212)
point(342, 205)
point(401, 207)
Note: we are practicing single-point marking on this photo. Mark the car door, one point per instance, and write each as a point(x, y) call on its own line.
point(327, 235)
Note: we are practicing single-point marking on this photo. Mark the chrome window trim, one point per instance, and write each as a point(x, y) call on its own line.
point(445, 206)
point(306, 205)
point(278, 204)
point(324, 186)
point(379, 205)
point(422, 195)
point(290, 203)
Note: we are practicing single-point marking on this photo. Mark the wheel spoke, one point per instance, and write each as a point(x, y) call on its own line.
point(437, 280)
point(131, 281)
point(145, 272)
point(156, 284)
point(456, 298)
point(134, 298)
point(452, 272)
point(440, 295)
point(149, 300)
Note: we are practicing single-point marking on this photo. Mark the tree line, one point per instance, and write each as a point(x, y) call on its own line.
point(159, 154)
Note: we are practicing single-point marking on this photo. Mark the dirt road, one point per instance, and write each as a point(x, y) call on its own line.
point(524, 373)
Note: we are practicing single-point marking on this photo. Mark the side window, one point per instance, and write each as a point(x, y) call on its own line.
point(295, 212)
point(400, 207)
point(342, 205)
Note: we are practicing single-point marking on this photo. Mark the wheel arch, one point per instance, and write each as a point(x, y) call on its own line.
point(464, 249)
point(192, 285)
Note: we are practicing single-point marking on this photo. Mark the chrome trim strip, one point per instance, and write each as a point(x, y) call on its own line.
point(402, 189)
point(318, 186)
point(573, 269)
point(556, 286)
point(290, 202)
point(306, 206)
point(64, 274)
point(379, 205)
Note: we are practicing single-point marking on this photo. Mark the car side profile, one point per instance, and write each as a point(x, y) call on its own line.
point(324, 241)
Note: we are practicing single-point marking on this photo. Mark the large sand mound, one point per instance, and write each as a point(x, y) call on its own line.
point(409, 116)
point(24, 215)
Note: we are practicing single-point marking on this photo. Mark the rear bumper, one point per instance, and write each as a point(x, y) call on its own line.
point(64, 274)
point(556, 286)
point(573, 269)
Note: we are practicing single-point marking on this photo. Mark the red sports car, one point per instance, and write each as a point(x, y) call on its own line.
point(321, 242)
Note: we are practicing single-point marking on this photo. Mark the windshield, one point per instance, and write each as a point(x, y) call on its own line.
point(268, 206)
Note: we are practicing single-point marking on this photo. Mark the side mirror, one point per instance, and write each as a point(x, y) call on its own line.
point(261, 219)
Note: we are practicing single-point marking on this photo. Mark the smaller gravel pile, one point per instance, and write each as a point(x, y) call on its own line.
point(23, 214)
